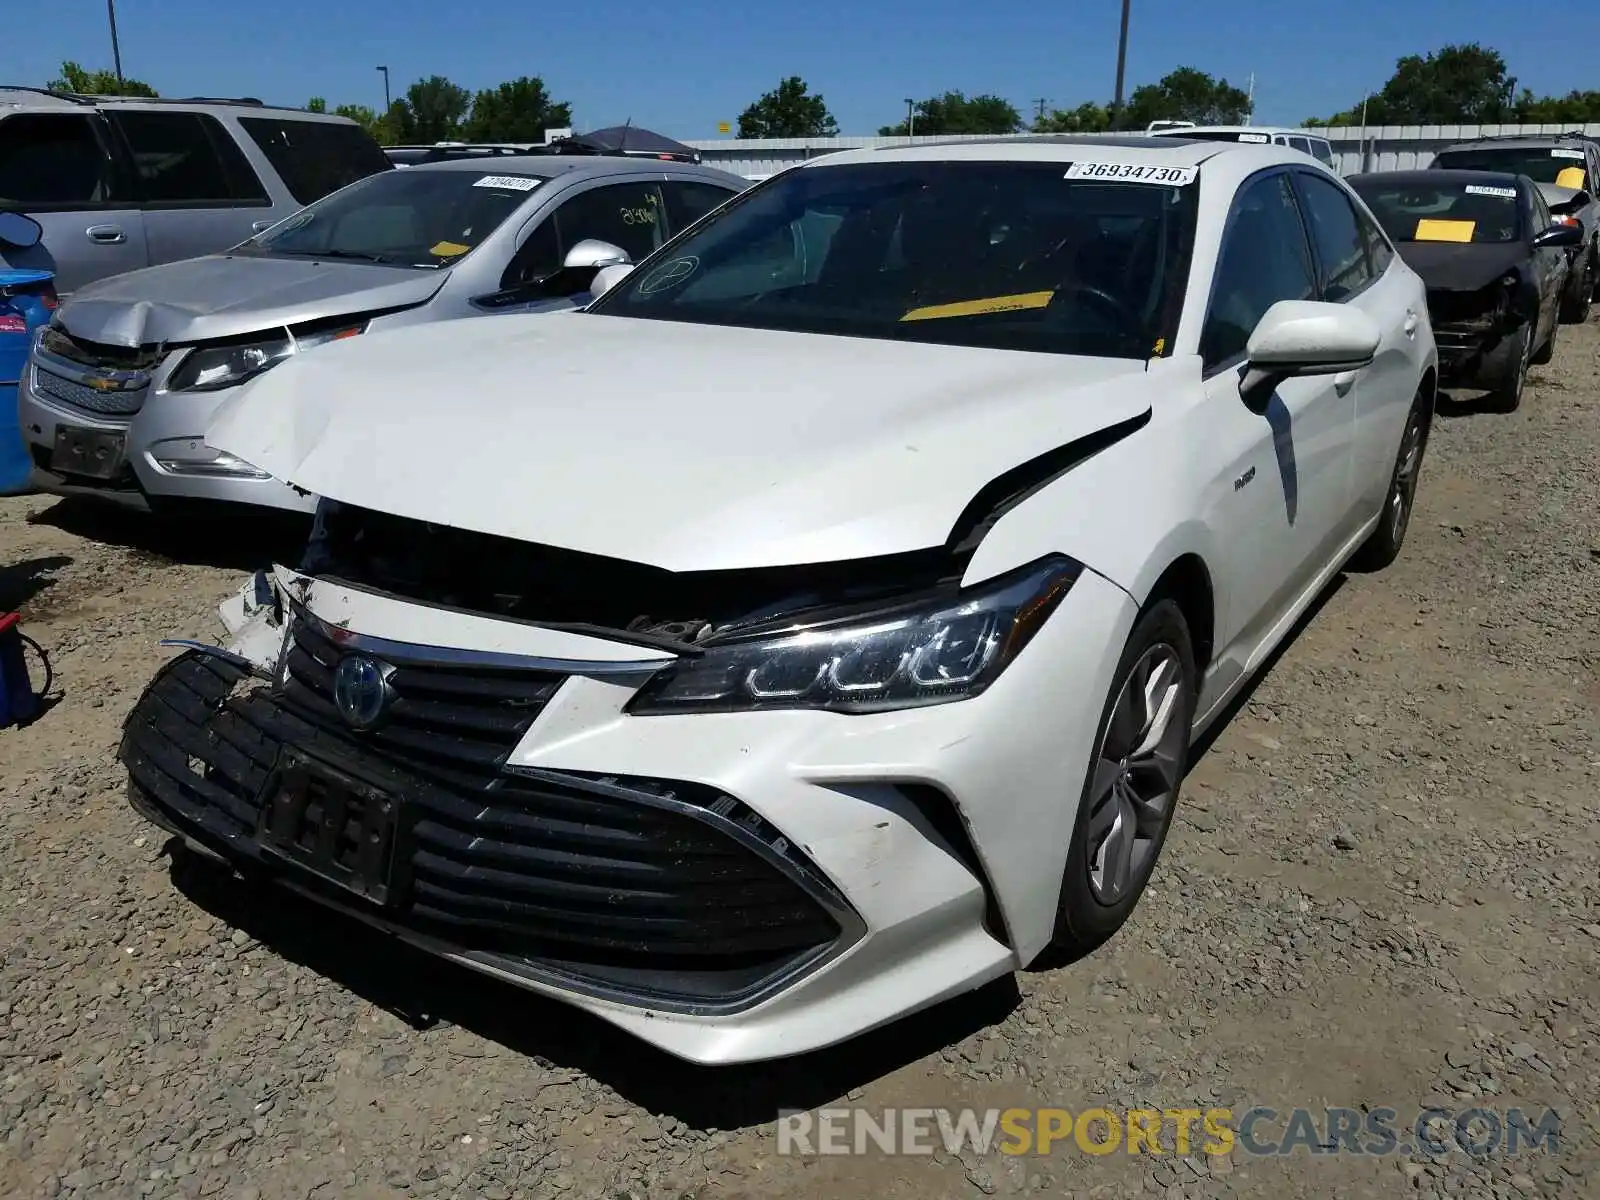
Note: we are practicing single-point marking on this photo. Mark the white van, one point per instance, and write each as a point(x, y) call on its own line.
point(1303, 140)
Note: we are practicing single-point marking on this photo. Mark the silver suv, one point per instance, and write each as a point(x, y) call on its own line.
point(120, 183)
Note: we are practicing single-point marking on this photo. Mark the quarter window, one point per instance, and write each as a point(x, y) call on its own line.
point(50, 160)
point(187, 158)
point(1341, 248)
point(1264, 259)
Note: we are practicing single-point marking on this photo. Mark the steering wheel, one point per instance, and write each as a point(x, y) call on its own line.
point(1117, 307)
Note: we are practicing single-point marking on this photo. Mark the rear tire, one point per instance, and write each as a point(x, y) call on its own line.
point(1126, 803)
point(1382, 547)
point(1580, 289)
point(1506, 368)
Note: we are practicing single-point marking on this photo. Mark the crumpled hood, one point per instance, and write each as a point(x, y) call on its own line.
point(224, 295)
point(687, 447)
point(1458, 267)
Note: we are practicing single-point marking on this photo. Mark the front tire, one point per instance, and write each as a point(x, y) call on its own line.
point(1126, 804)
point(1580, 290)
point(1383, 546)
point(1507, 368)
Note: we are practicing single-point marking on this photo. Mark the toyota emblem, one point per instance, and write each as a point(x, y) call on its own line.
point(361, 690)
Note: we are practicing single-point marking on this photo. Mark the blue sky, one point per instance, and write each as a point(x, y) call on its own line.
point(681, 67)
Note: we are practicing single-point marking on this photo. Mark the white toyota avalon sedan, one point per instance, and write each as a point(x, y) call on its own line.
point(817, 626)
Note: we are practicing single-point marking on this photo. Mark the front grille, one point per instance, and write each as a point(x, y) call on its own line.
point(88, 399)
point(654, 891)
point(455, 724)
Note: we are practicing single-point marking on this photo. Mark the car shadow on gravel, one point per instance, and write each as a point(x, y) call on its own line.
point(428, 993)
point(230, 537)
point(1456, 403)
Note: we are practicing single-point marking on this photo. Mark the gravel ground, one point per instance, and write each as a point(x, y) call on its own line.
point(1381, 891)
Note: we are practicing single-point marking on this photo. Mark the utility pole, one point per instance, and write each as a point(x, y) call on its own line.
point(116, 50)
point(911, 116)
point(1250, 100)
point(1039, 104)
point(1122, 62)
point(387, 103)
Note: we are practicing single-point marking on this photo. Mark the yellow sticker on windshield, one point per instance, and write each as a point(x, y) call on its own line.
point(1571, 177)
point(973, 308)
point(448, 249)
point(1444, 231)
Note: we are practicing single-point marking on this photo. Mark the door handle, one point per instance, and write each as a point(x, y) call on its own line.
point(106, 235)
point(1344, 381)
point(1411, 322)
point(261, 226)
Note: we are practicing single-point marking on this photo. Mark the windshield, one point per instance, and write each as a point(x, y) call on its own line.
point(1419, 211)
point(415, 218)
point(1007, 255)
point(1543, 164)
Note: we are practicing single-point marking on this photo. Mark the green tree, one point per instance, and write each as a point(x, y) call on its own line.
point(432, 110)
point(75, 78)
point(954, 113)
point(1186, 94)
point(316, 104)
point(517, 111)
point(1575, 108)
point(1088, 117)
point(788, 111)
point(365, 117)
point(1456, 85)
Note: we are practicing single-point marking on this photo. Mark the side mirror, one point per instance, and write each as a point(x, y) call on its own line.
point(607, 278)
point(20, 231)
point(591, 254)
point(1558, 235)
point(1305, 337)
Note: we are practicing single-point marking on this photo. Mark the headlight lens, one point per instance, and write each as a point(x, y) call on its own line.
point(933, 651)
point(208, 368)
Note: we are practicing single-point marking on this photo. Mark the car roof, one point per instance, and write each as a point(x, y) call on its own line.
point(1436, 175)
point(12, 96)
point(548, 166)
point(1513, 140)
point(1132, 148)
point(1268, 129)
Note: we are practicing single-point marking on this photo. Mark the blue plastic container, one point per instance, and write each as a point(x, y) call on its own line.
point(27, 298)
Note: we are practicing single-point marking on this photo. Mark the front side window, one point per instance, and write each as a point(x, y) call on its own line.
point(630, 216)
point(1564, 165)
point(688, 201)
point(50, 160)
point(1264, 259)
point(315, 158)
point(1322, 150)
point(1342, 250)
point(1419, 210)
point(420, 217)
point(1016, 256)
point(187, 158)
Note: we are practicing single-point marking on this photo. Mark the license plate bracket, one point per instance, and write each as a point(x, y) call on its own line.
point(338, 827)
point(92, 453)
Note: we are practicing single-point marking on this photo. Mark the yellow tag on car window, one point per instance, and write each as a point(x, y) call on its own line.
point(1445, 231)
point(974, 308)
point(1571, 177)
point(448, 249)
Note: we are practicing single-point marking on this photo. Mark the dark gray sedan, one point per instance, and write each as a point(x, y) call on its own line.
point(122, 384)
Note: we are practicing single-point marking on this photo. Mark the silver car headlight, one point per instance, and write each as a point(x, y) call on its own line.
point(210, 368)
point(941, 648)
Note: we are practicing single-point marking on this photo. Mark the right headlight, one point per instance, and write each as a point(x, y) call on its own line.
point(935, 650)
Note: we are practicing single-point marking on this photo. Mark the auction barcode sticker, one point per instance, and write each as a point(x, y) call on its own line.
point(517, 183)
point(1133, 173)
point(1480, 189)
point(1577, 154)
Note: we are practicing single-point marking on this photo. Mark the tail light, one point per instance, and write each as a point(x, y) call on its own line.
point(49, 298)
point(1564, 219)
point(10, 323)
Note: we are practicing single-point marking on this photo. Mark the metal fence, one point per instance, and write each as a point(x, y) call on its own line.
point(1377, 148)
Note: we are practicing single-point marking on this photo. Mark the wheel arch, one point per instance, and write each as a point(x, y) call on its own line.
point(1187, 582)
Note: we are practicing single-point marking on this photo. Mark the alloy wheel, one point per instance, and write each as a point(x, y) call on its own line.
point(1402, 497)
point(1137, 772)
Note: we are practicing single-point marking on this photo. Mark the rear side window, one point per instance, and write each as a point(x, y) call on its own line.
point(186, 158)
point(54, 161)
point(1338, 239)
point(1323, 150)
point(314, 158)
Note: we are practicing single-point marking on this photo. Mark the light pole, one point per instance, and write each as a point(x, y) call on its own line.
point(911, 116)
point(116, 51)
point(387, 103)
point(1122, 62)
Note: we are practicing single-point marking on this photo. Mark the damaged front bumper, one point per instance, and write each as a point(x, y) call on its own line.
point(728, 886)
point(1469, 328)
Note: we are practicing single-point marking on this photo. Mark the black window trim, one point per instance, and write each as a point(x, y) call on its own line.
point(1344, 189)
point(213, 129)
point(1236, 361)
point(120, 175)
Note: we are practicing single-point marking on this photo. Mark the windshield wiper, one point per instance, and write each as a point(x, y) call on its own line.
point(357, 254)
